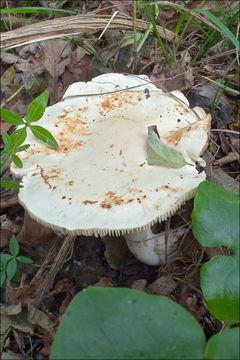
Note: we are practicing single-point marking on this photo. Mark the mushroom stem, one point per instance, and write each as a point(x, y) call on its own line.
point(61, 257)
point(150, 248)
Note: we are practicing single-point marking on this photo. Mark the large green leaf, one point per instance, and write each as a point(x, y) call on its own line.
point(224, 345)
point(220, 286)
point(215, 216)
point(215, 221)
point(111, 323)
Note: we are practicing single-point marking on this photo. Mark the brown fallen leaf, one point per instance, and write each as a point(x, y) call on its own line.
point(7, 229)
point(19, 338)
point(34, 233)
point(38, 319)
point(25, 318)
point(62, 286)
point(80, 68)
point(9, 58)
point(189, 301)
point(4, 126)
point(139, 284)
point(168, 79)
point(65, 303)
point(50, 335)
point(232, 156)
point(164, 285)
point(16, 317)
point(110, 6)
point(7, 77)
point(103, 282)
point(53, 61)
point(12, 23)
point(24, 293)
point(25, 50)
point(9, 198)
point(10, 355)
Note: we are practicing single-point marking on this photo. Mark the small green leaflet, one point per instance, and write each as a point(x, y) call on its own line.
point(10, 185)
point(37, 108)
point(14, 246)
point(44, 135)
point(10, 117)
point(17, 161)
point(158, 153)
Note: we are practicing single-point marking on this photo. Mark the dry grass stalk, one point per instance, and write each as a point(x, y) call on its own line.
point(72, 25)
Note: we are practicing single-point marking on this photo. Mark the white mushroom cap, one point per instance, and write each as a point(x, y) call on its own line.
point(98, 180)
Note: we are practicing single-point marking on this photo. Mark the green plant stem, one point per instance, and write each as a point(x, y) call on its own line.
point(12, 96)
point(5, 163)
point(4, 339)
point(225, 327)
point(135, 25)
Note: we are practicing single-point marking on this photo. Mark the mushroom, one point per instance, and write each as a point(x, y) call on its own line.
point(98, 182)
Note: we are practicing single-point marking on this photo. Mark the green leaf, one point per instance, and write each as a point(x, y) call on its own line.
point(224, 345)
point(24, 259)
point(215, 219)
point(4, 258)
point(11, 117)
point(19, 136)
point(37, 108)
point(2, 278)
point(11, 268)
point(7, 140)
point(162, 154)
point(22, 148)
point(220, 286)
point(9, 185)
point(14, 246)
point(114, 323)
point(44, 135)
point(215, 216)
point(17, 161)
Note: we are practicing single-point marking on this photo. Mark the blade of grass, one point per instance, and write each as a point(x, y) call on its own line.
point(220, 90)
point(38, 10)
point(221, 26)
point(135, 25)
point(236, 92)
point(147, 32)
point(156, 33)
point(212, 38)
